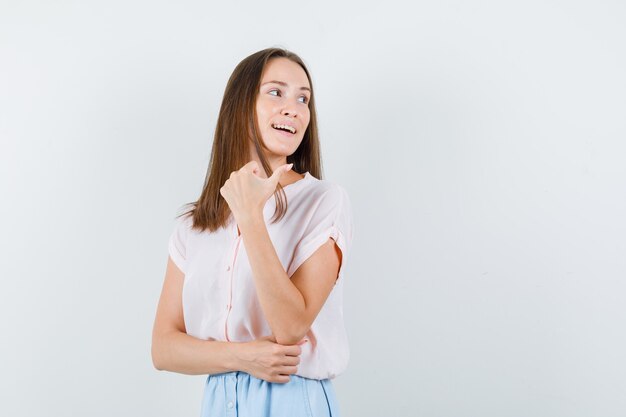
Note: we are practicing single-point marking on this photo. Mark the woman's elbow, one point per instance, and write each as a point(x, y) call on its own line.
point(292, 336)
point(156, 352)
point(156, 360)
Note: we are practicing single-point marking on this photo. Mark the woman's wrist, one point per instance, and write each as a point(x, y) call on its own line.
point(239, 353)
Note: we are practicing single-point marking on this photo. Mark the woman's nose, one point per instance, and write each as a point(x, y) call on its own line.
point(289, 110)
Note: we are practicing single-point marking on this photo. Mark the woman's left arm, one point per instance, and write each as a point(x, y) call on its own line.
point(290, 305)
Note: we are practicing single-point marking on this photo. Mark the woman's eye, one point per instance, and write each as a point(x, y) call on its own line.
point(304, 99)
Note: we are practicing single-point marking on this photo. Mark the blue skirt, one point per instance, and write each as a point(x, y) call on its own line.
point(239, 394)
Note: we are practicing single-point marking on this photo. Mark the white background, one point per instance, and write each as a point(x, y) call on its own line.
point(482, 144)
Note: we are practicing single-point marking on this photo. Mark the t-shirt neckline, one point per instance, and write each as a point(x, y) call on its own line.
point(307, 176)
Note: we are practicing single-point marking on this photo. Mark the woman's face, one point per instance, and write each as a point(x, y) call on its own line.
point(283, 101)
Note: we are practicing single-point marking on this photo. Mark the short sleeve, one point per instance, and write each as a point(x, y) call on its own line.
point(330, 216)
point(177, 246)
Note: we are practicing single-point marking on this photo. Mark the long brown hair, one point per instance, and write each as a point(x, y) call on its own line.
point(236, 125)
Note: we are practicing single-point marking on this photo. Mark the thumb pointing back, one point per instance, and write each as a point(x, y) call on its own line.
point(280, 171)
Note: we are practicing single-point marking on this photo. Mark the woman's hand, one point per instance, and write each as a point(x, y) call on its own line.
point(246, 192)
point(267, 360)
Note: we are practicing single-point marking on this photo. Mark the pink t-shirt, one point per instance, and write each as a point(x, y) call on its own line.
point(219, 295)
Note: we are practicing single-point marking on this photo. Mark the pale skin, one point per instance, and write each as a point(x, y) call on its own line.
point(290, 305)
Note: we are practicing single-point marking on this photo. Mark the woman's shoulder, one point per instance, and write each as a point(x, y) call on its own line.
point(183, 223)
point(327, 197)
point(325, 188)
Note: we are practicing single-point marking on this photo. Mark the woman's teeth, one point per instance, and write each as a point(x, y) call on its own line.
point(284, 127)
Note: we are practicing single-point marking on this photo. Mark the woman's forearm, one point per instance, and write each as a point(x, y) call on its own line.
point(179, 352)
point(281, 301)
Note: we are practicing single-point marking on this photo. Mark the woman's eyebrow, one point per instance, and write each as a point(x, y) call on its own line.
point(284, 84)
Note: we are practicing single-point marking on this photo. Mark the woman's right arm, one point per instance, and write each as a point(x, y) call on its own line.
point(174, 350)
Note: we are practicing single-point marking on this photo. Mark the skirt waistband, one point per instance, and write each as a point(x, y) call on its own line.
point(238, 393)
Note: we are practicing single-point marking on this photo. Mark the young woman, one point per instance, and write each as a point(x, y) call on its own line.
point(253, 287)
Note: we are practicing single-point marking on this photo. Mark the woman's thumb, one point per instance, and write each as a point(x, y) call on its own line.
point(285, 168)
point(280, 171)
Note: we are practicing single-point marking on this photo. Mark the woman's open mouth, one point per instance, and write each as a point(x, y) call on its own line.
point(285, 130)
